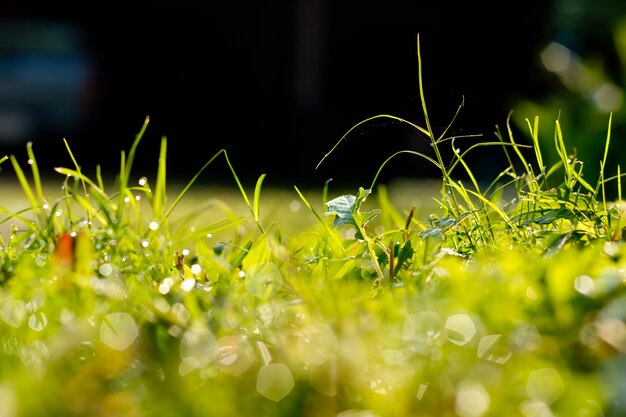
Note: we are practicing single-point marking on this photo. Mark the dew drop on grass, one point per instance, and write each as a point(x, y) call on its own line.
point(37, 321)
point(460, 329)
point(181, 313)
point(14, 312)
point(584, 284)
point(145, 243)
point(31, 306)
point(143, 181)
point(66, 317)
point(234, 355)
point(263, 280)
point(611, 248)
point(269, 313)
point(196, 269)
point(421, 391)
point(166, 285)
point(274, 381)
point(349, 233)
point(198, 348)
point(175, 331)
point(424, 332)
point(472, 400)
point(105, 269)
point(154, 225)
point(188, 284)
point(526, 338)
point(118, 331)
point(126, 199)
point(536, 409)
point(613, 331)
point(494, 349)
point(545, 385)
point(161, 304)
point(316, 343)
point(262, 349)
point(294, 206)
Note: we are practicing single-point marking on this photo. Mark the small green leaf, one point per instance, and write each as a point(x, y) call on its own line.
point(241, 255)
point(558, 243)
point(431, 233)
point(346, 209)
point(257, 197)
point(343, 209)
point(545, 216)
point(366, 216)
point(360, 199)
point(405, 254)
point(445, 222)
point(448, 221)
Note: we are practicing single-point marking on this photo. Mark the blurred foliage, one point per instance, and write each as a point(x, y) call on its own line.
point(293, 329)
point(109, 306)
point(581, 79)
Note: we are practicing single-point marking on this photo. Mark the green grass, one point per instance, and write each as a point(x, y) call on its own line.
point(141, 298)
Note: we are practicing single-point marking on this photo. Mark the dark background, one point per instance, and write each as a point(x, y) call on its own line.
point(278, 83)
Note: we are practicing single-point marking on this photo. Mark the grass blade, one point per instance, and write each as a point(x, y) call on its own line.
point(126, 164)
point(35, 170)
point(257, 197)
point(428, 158)
point(330, 232)
point(25, 185)
point(534, 134)
point(191, 182)
point(369, 119)
point(158, 202)
point(243, 192)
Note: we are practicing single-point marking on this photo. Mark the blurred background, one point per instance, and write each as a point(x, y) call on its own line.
point(277, 83)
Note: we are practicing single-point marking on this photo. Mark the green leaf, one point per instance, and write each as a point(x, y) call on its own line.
point(544, 216)
point(431, 233)
point(346, 209)
point(361, 197)
point(445, 222)
point(257, 198)
point(366, 216)
point(343, 207)
point(241, 255)
point(405, 254)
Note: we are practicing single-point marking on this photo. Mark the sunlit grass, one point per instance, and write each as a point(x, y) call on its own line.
point(142, 297)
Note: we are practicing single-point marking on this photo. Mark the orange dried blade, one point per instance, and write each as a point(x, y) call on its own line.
point(64, 251)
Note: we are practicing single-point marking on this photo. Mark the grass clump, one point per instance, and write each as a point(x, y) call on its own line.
point(509, 301)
